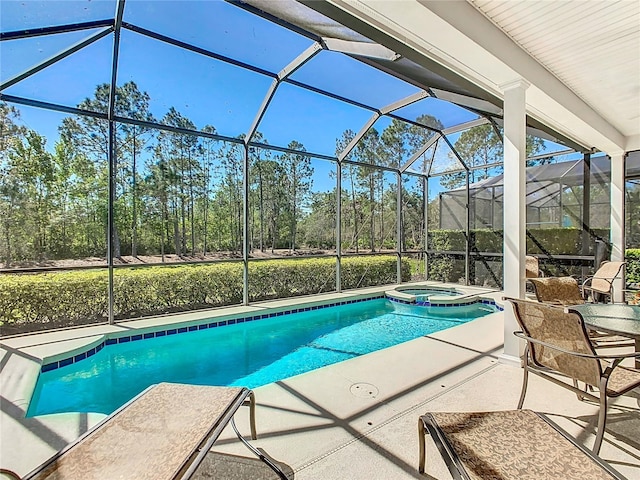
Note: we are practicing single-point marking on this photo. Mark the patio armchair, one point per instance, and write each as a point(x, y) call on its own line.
point(600, 284)
point(557, 290)
point(565, 291)
point(558, 343)
point(532, 267)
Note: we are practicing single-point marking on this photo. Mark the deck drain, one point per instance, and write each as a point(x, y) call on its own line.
point(364, 390)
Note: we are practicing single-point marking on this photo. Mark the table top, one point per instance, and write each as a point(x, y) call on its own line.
point(617, 318)
point(155, 436)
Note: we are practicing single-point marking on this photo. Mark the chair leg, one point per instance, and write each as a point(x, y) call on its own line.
point(525, 380)
point(421, 441)
point(602, 418)
point(575, 384)
point(250, 402)
point(257, 452)
point(252, 416)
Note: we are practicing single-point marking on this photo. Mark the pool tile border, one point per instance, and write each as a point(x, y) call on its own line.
point(174, 330)
point(484, 301)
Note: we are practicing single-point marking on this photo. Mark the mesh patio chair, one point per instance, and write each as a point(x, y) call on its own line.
point(557, 342)
point(508, 445)
point(557, 290)
point(565, 291)
point(532, 267)
point(164, 433)
point(600, 284)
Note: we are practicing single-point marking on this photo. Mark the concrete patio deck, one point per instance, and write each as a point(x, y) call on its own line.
point(356, 419)
point(322, 427)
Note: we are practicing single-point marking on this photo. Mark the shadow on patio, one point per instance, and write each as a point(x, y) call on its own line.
point(325, 428)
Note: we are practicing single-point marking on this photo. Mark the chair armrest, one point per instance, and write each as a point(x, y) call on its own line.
point(586, 280)
point(9, 473)
point(587, 287)
point(621, 356)
point(609, 280)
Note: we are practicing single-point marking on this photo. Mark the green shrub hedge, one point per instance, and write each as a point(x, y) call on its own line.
point(554, 241)
point(632, 269)
point(30, 302)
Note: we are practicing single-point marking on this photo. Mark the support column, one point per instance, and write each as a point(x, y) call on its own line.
point(586, 208)
point(338, 227)
point(399, 228)
point(514, 207)
point(467, 234)
point(425, 208)
point(616, 235)
point(246, 232)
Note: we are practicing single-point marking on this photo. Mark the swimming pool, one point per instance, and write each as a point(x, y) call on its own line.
point(249, 353)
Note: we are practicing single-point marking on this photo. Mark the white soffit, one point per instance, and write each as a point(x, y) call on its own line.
point(592, 46)
point(585, 99)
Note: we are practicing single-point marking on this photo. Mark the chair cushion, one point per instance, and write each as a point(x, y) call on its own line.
point(153, 438)
point(622, 380)
point(515, 444)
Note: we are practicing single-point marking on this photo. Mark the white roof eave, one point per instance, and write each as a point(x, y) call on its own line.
point(459, 37)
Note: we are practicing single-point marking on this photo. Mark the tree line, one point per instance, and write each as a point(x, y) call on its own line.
point(178, 193)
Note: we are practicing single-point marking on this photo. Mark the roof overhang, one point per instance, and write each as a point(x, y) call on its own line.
point(459, 44)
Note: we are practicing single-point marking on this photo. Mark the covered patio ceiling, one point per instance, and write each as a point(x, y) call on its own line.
point(582, 59)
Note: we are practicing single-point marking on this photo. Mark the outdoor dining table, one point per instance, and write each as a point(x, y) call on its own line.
point(616, 318)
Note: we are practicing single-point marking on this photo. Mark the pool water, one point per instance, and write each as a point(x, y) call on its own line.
point(246, 354)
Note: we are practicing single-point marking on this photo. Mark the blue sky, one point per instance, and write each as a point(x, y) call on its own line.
point(207, 91)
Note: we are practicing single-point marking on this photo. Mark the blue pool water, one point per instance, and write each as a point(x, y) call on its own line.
point(245, 354)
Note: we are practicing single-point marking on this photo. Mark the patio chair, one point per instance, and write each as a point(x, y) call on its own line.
point(508, 445)
point(557, 290)
point(565, 291)
point(164, 433)
point(600, 284)
point(558, 343)
point(532, 267)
